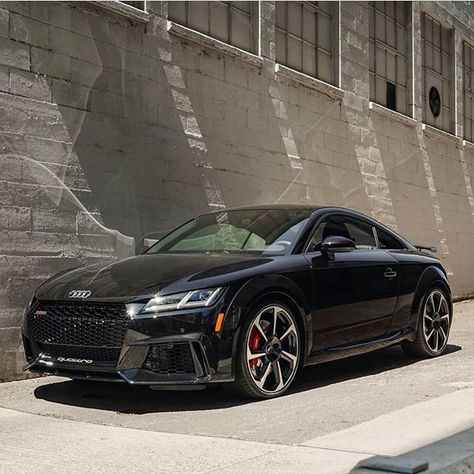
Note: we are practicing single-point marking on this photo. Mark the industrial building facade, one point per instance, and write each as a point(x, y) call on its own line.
point(121, 120)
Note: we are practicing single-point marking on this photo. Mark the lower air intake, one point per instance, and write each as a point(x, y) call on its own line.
point(168, 359)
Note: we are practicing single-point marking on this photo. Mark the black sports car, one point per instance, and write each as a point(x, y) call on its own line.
point(244, 296)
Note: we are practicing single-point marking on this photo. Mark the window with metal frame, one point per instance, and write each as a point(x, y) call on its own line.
point(139, 5)
point(389, 54)
point(233, 23)
point(468, 90)
point(304, 38)
point(437, 72)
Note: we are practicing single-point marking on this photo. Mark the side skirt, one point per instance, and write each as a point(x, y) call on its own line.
point(348, 350)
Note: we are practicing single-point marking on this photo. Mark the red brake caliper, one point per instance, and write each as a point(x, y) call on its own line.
point(254, 344)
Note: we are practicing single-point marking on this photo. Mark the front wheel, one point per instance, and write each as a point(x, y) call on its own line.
point(434, 324)
point(269, 352)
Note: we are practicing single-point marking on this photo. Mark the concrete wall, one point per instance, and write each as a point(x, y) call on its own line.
point(112, 128)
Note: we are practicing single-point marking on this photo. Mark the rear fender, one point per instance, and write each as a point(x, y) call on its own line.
point(431, 276)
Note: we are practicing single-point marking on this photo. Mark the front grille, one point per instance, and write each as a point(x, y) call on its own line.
point(79, 324)
point(80, 330)
point(170, 359)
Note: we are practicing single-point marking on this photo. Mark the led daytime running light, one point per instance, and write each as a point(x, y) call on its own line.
point(181, 301)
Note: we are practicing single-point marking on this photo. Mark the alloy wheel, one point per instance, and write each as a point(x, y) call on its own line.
point(436, 321)
point(272, 349)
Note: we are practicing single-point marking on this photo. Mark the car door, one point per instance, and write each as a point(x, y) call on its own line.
point(354, 292)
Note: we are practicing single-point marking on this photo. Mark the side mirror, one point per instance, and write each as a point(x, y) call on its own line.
point(336, 243)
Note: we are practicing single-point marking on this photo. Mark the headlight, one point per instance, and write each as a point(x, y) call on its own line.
point(189, 299)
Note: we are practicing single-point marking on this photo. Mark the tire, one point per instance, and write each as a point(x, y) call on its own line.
point(278, 346)
point(434, 324)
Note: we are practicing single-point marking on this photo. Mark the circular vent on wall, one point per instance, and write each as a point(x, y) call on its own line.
point(435, 101)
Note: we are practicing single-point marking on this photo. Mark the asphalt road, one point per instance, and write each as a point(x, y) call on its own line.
point(329, 412)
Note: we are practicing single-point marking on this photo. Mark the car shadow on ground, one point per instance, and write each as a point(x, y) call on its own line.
point(139, 400)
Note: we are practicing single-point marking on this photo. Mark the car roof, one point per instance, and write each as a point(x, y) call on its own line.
point(274, 206)
point(310, 207)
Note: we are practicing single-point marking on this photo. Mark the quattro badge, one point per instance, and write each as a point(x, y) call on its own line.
point(74, 360)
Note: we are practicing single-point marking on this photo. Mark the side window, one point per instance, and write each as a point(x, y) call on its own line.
point(361, 233)
point(386, 241)
point(328, 227)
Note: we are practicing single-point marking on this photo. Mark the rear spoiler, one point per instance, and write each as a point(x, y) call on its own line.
point(430, 249)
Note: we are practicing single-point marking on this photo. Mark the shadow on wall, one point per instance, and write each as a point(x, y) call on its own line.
point(137, 164)
point(231, 129)
point(259, 144)
point(397, 147)
point(319, 147)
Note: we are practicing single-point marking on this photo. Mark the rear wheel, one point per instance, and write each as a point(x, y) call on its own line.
point(269, 352)
point(434, 325)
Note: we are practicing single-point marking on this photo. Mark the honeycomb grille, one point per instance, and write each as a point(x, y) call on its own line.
point(79, 324)
point(170, 359)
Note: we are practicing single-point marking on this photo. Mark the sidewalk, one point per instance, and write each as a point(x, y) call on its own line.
point(439, 431)
point(38, 444)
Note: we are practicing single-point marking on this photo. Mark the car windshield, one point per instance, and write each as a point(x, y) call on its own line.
point(261, 231)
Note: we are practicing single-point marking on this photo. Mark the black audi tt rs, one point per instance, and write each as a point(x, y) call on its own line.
point(245, 297)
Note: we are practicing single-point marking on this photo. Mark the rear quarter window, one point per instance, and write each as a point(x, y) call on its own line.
point(388, 242)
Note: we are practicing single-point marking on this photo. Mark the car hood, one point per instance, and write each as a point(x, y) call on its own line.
point(148, 274)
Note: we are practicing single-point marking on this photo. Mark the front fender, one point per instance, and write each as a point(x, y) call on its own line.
point(430, 277)
point(280, 288)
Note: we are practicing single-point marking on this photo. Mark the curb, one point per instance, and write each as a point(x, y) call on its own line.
point(463, 466)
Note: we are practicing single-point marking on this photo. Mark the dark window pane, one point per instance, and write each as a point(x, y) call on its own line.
point(139, 5)
point(361, 233)
point(386, 241)
point(391, 96)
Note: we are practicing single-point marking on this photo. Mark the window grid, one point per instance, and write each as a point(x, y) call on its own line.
point(229, 22)
point(388, 54)
point(304, 38)
point(436, 63)
point(468, 90)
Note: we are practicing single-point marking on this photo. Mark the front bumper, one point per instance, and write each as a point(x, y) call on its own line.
point(176, 349)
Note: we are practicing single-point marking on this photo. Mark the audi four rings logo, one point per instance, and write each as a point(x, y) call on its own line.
point(79, 294)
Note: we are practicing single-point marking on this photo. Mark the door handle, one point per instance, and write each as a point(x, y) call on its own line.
point(389, 273)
